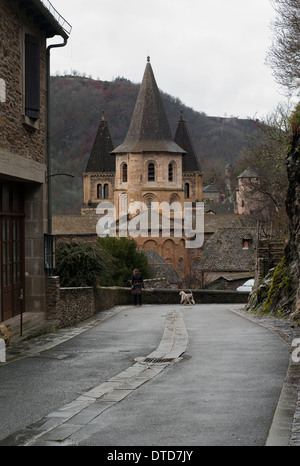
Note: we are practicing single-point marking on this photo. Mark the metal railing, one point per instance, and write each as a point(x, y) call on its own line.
point(60, 20)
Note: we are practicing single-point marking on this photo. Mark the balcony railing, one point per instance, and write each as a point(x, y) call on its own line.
point(60, 20)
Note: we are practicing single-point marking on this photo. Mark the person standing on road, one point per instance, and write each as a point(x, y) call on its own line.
point(136, 286)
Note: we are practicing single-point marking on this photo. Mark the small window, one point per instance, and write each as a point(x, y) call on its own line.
point(179, 267)
point(171, 174)
point(197, 266)
point(2, 90)
point(151, 172)
point(186, 190)
point(246, 243)
point(124, 172)
point(99, 191)
point(32, 76)
point(106, 191)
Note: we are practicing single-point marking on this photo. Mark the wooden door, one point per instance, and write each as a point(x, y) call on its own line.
point(12, 250)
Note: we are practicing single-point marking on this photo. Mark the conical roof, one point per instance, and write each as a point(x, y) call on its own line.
point(190, 161)
point(149, 130)
point(100, 159)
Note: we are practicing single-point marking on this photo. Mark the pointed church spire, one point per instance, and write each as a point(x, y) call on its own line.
point(190, 161)
point(149, 129)
point(100, 159)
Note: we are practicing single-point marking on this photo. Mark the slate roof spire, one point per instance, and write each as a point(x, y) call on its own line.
point(149, 129)
point(100, 159)
point(190, 161)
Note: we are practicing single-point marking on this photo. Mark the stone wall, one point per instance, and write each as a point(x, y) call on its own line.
point(19, 136)
point(75, 305)
point(69, 306)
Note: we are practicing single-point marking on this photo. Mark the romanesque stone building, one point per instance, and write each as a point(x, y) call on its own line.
point(25, 26)
point(150, 166)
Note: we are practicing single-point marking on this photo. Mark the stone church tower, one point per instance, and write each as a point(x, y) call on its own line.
point(99, 175)
point(149, 166)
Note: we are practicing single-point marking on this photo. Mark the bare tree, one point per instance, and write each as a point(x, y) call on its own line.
point(284, 54)
point(265, 155)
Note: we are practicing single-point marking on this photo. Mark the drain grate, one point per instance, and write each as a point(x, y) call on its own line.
point(158, 360)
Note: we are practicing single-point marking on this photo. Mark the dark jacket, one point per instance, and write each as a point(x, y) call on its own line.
point(137, 283)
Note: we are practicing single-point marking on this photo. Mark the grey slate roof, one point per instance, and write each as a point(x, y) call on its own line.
point(249, 173)
point(224, 250)
point(101, 160)
point(220, 208)
point(160, 267)
point(210, 189)
point(149, 130)
point(182, 137)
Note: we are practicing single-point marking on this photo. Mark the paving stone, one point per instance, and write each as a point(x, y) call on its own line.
point(87, 414)
point(60, 433)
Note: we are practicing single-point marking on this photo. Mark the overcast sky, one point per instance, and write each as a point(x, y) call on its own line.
point(208, 53)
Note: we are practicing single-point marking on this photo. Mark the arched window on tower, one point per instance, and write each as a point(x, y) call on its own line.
point(171, 172)
point(124, 173)
point(99, 191)
point(106, 191)
point(179, 267)
point(186, 191)
point(151, 172)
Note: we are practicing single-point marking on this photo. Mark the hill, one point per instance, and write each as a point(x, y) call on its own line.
point(76, 107)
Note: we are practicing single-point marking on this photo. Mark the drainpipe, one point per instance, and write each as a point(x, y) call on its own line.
point(63, 44)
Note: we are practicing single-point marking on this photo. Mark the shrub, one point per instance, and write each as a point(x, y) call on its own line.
point(81, 264)
point(127, 258)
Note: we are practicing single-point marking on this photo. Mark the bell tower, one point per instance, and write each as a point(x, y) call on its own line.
point(99, 175)
point(149, 162)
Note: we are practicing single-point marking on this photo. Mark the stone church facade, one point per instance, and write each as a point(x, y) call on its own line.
point(149, 167)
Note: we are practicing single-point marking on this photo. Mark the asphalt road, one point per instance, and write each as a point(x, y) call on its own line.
point(222, 392)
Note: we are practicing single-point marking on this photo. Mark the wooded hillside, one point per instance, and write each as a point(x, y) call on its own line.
point(76, 107)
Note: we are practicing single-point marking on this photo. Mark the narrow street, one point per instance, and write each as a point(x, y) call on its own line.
point(211, 377)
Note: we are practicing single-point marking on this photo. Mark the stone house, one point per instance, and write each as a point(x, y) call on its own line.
point(211, 194)
point(25, 27)
point(249, 198)
point(229, 252)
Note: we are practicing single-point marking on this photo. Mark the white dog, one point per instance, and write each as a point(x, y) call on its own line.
point(187, 298)
point(5, 334)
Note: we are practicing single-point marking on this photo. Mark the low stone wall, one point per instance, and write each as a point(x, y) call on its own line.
point(73, 305)
point(106, 298)
point(167, 296)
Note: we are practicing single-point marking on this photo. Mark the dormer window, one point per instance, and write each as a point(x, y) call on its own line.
point(246, 243)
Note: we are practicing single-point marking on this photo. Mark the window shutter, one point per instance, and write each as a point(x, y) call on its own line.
point(32, 76)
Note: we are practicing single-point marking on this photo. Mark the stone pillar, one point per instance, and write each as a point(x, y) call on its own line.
point(52, 298)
